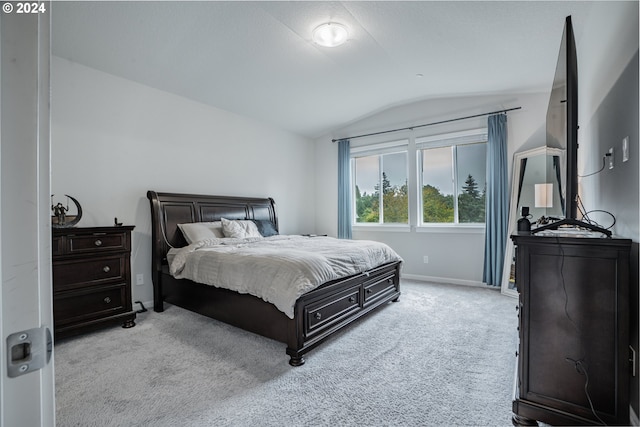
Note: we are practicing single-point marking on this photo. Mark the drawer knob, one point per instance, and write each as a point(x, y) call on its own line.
point(107, 300)
point(318, 316)
point(352, 299)
point(106, 269)
point(389, 280)
point(98, 242)
point(369, 291)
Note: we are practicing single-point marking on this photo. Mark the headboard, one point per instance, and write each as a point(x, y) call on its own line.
point(170, 209)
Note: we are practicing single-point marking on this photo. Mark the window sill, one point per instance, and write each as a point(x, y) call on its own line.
point(452, 228)
point(402, 228)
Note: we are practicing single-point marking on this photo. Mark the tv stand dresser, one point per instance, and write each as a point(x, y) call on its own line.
point(573, 356)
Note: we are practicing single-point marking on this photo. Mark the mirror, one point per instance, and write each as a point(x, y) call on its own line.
point(536, 184)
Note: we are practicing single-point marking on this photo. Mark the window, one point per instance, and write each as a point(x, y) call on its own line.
point(381, 193)
point(452, 177)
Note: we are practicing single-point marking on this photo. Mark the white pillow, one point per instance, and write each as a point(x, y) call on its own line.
point(196, 231)
point(239, 229)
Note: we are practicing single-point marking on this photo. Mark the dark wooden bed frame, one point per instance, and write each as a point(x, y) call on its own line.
point(318, 314)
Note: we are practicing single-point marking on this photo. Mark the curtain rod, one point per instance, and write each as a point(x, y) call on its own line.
point(429, 124)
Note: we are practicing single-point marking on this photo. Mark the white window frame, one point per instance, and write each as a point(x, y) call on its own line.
point(452, 139)
point(380, 149)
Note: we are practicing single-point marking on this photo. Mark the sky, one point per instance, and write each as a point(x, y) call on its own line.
point(368, 172)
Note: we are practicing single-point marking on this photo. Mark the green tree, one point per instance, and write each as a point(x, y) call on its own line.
point(471, 203)
point(436, 206)
point(395, 203)
point(366, 206)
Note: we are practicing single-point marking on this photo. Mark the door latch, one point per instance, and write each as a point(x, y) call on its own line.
point(28, 351)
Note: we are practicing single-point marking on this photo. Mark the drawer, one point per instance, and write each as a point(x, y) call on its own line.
point(90, 303)
point(326, 313)
point(69, 274)
point(378, 288)
point(97, 242)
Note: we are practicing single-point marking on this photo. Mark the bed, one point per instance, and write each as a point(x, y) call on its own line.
point(317, 314)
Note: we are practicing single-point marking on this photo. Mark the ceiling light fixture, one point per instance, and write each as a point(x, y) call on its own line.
point(330, 34)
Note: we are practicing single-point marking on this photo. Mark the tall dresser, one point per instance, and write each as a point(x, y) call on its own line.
point(91, 279)
point(573, 361)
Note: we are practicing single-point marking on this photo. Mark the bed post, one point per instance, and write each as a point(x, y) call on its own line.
point(156, 255)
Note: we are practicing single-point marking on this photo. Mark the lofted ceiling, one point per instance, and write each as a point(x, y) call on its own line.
point(257, 59)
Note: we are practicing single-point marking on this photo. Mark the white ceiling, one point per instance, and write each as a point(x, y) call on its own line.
point(256, 59)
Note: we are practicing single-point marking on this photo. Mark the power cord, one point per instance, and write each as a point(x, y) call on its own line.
point(604, 162)
point(564, 286)
point(141, 305)
point(579, 365)
point(585, 215)
point(582, 370)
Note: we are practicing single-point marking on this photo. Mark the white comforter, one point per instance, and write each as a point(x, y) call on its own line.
point(278, 269)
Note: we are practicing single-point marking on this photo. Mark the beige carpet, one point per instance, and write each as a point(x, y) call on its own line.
point(442, 355)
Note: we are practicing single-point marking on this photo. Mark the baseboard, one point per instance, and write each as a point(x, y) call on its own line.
point(447, 280)
point(633, 417)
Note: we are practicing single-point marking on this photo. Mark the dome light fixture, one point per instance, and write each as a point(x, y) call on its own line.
point(330, 34)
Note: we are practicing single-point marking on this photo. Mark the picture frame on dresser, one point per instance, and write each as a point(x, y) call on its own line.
point(91, 269)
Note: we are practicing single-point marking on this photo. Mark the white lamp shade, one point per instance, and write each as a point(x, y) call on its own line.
point(544, 195)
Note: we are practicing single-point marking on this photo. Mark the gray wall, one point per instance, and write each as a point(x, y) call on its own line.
point(607, 47)
point(616, 190)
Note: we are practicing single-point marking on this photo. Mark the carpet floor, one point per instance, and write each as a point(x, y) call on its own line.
point(442, 355)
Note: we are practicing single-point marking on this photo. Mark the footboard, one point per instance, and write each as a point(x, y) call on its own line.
point(326, 310)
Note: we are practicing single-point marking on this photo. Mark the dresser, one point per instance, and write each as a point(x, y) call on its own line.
point(91, 279)
point(573, 356)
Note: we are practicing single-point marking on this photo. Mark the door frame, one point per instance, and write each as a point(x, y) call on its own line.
point(25, 212)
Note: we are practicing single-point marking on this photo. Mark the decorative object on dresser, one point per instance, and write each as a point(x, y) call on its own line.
point(317, 314)
point(573, 357)
point(61, 218)
point(91, 279)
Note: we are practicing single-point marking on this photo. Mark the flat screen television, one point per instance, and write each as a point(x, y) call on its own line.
point(562, 116)
point(562, 128)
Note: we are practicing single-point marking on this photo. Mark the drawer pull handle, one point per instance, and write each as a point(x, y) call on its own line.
point(352, 299)
point(107, 300)
point(106, 269)
point(98, 242)
point(318, 316)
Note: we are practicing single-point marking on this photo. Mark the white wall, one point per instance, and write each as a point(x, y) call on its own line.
point(113, 139)
point(454, 256)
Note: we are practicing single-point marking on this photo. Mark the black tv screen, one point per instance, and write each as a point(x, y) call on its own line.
point(562, 116)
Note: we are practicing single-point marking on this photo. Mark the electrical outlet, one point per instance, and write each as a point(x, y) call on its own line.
point(625, 149)
point(611, 158)
point(425, 259)
point(139, 279)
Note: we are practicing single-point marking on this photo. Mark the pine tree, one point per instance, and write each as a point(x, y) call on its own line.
point(471, 187)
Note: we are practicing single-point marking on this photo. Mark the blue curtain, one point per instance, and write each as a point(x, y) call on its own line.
point(344, 190)
point(497, 211)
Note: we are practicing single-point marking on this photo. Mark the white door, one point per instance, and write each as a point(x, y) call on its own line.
point(25, 223)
